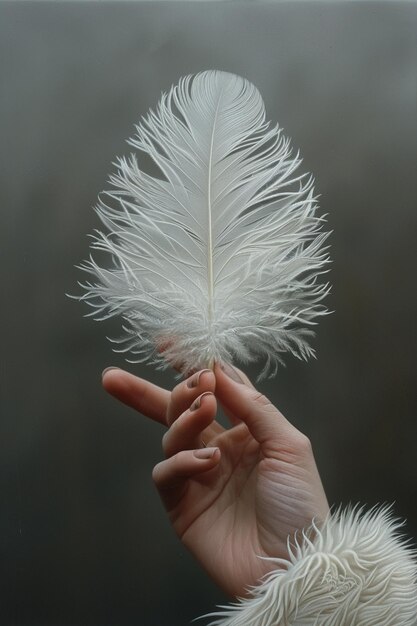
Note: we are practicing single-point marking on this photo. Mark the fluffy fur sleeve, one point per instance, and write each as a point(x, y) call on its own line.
point(355, 570)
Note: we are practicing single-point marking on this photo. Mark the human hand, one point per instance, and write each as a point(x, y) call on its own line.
point(232, 495)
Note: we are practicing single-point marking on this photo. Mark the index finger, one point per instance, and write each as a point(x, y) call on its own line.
point(137, 393)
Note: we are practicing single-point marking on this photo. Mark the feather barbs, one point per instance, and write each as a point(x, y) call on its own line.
point(217, 250)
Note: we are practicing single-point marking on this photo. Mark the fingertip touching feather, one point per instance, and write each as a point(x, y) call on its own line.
point(216, 254)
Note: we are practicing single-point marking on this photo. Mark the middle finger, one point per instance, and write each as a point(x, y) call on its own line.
point(194, 428)
point(184, 394)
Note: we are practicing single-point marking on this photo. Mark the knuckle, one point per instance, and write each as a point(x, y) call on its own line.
point(263, 403)
point(179, 389)
point(179, 459)
point(302, 443)
point(165, 441)
point(156, 473)
point(260, 399)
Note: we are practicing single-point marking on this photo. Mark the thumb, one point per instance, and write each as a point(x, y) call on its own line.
point(266, 424)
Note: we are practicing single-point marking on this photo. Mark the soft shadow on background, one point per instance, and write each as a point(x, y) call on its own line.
point(83, 537)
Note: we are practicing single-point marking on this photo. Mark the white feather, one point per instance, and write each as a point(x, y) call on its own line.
point(216, 257)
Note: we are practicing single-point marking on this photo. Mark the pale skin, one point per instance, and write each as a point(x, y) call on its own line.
point(232, 495)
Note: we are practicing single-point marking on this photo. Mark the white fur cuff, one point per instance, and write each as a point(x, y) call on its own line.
point(356, 570)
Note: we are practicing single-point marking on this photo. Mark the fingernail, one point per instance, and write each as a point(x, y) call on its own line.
point(195, 379)
point(205, 453)
point(231, 373)
point(107, 369)
point(197, 403)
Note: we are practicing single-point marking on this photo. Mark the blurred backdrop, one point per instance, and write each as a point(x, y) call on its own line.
point(83, 537)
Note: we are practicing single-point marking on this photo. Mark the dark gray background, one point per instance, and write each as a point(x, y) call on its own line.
point(83, 537)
